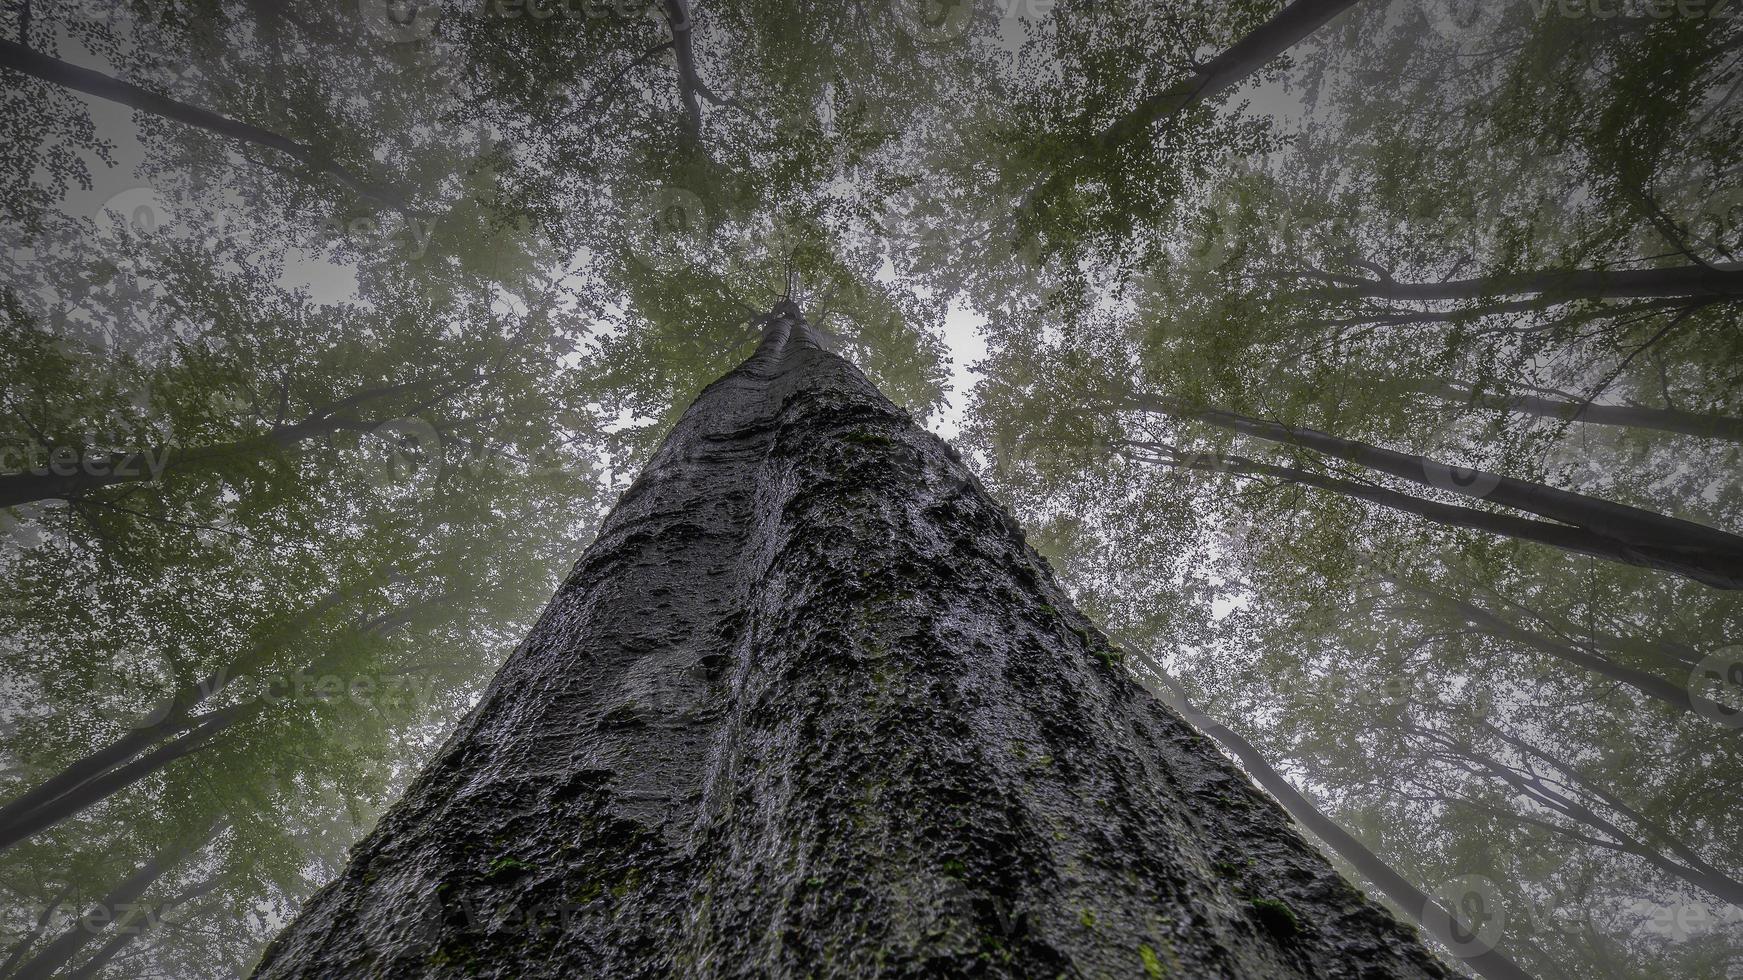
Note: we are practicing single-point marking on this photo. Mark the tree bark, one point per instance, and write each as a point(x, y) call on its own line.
point(21, 59)
point(1290, 27)
point(1705, 554)
point(810, 707)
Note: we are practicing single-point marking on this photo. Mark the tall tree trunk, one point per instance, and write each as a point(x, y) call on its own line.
point(1290, 27)
point(17, 57)
point(118, 905)
point(1726, 427)
point(1575, 539)
point(810, 707)
point(1654, 842)
point(1425, 910)
point(175, 719)
point(1693, 281)
point(66, 481)
point(1705, 554)
point(88, 794)
point(138, 925)
point(1463, 612)
point(178, 733)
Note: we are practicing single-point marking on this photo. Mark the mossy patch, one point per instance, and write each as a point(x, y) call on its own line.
point(1152, 964)
point(1277, 918)
point(506, 867)
point(860, 438)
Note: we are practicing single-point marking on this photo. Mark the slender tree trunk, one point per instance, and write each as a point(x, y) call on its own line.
point(1422, 908)
point(88, 794)
point(1692, 281)
point(1540, 795)
point(138, 926)
point(1660, 847)
point(119, 904)
point(810, 707)
point(118, 765)
point(51, 478)
point(16, 951)
point(1290, 27)
point(1724, 427)
point(1705, 554)
point(1471, 614)
point(176, 719)
point(1575, 539)
point(21, 59)
point(71, 480)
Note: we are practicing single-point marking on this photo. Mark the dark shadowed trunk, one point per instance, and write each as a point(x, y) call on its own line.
point(119, 906)
point(139, 924)
point(1432, 602)
point(53, 479)
point(1728, 428)
point(1557, 792)
point(173, 731)
point(1706, 554)
point(1290, 27)
point(21, 59)
point(1562, 285)
point(810, 707)
point(1574, 539)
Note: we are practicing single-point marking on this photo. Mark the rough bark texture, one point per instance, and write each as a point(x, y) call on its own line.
point(810, 707)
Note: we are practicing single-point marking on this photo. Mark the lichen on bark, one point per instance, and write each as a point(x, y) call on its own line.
point(810, 707)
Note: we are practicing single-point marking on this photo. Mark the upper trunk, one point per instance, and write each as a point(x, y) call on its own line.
point(1265, 44)
point(809, 706)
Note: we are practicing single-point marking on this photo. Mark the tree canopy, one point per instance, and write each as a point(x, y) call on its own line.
point(1373, 371)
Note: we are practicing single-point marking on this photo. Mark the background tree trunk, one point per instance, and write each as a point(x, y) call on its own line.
point(810, 707)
